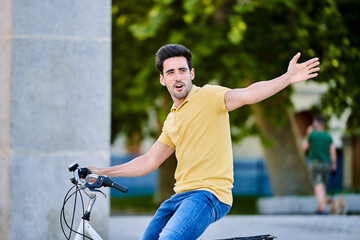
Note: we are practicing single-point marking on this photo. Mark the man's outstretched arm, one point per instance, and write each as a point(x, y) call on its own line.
point(139, 166)
point(296, 72)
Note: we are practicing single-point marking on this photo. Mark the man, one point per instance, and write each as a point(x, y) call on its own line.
point(321, 154)
point(197, 127)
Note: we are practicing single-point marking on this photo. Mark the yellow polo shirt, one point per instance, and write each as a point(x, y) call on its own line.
point(199, 131)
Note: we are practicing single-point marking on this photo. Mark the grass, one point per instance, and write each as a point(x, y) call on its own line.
point(133, 205)
point(243, 205)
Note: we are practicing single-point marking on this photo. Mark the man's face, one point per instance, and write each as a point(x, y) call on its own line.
point(318, 125)
point(177, 77)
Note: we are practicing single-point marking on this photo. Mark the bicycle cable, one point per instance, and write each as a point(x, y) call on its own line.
point(63, 217)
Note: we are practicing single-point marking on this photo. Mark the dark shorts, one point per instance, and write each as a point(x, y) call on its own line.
point(319, 172)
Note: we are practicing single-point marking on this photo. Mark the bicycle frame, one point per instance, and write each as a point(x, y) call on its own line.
point(87, 186)
point(86, 229)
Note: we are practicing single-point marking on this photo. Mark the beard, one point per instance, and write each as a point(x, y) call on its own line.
point(184, 92)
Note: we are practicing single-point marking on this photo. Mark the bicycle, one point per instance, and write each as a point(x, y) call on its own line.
point(89, 183)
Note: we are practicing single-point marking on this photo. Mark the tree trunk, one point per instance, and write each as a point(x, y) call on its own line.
point(166, 179)
point(133, 144)
point(285, 159)
point(356, 160)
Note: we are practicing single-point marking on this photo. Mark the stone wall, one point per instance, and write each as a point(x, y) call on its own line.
point(55, 87)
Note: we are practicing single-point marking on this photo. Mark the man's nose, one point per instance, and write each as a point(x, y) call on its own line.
point(177, 75)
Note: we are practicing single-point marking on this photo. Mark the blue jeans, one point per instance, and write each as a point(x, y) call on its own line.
point(185, 216)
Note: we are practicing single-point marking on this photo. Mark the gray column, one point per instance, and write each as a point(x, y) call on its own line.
point(55, 68)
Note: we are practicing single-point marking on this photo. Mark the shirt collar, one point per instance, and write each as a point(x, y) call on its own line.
point(193, 91)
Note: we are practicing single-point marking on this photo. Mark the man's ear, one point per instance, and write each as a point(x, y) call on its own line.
point(192, 74)
point(162, 80)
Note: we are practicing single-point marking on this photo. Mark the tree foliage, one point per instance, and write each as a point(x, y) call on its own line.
point(340, 47)
point(234, 44)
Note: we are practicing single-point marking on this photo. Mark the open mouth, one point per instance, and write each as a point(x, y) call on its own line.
point(179, 86)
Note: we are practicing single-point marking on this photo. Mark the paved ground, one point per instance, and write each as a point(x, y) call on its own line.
point(294, 227)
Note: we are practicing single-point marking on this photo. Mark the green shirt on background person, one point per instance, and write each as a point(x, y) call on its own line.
point(320, 142)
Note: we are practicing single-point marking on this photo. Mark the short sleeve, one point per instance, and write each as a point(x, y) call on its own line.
point(165, 139)
point(217, 96)
point(330, 139)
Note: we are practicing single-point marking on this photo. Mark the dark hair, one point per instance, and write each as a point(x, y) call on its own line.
point(169, 51)
point(320, 119)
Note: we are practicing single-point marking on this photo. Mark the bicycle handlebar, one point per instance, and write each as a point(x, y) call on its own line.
point(83, 172)
point(108, 182)
point(96, 181)
point(88, 183)
point(93, 181)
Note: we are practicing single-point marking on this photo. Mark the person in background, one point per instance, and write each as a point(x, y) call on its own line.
point(321, 158)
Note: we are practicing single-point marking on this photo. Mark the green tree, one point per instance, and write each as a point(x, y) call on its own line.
point(341, 70)
point(340, 46)
point(234, 44)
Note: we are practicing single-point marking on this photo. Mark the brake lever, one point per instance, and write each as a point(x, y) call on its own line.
point(97, 184)
point(97, 190)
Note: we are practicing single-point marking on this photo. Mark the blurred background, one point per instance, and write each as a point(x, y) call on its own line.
point(78, 83)
point(236, 43)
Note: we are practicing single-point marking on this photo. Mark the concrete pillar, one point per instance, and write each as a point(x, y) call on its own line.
point(55, 68)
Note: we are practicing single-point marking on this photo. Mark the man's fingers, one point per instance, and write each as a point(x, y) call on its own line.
point(313, 64)
point(314, 70)
point(312, 61)
point(296, 57)
point(312, 75)
point(305, 70)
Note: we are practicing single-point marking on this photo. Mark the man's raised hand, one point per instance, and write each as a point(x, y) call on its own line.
point(298, 72)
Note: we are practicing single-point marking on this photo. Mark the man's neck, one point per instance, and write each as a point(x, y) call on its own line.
point(178, 102)
point(320, 129)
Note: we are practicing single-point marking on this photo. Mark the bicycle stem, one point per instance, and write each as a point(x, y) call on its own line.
point(92, 199)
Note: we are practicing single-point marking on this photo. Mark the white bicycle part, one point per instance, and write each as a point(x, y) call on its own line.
point(90, 187)
point(89, 231)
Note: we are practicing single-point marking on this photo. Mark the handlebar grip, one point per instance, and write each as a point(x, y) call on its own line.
point(108, 182)
point(83, 172)
point(119, 187)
